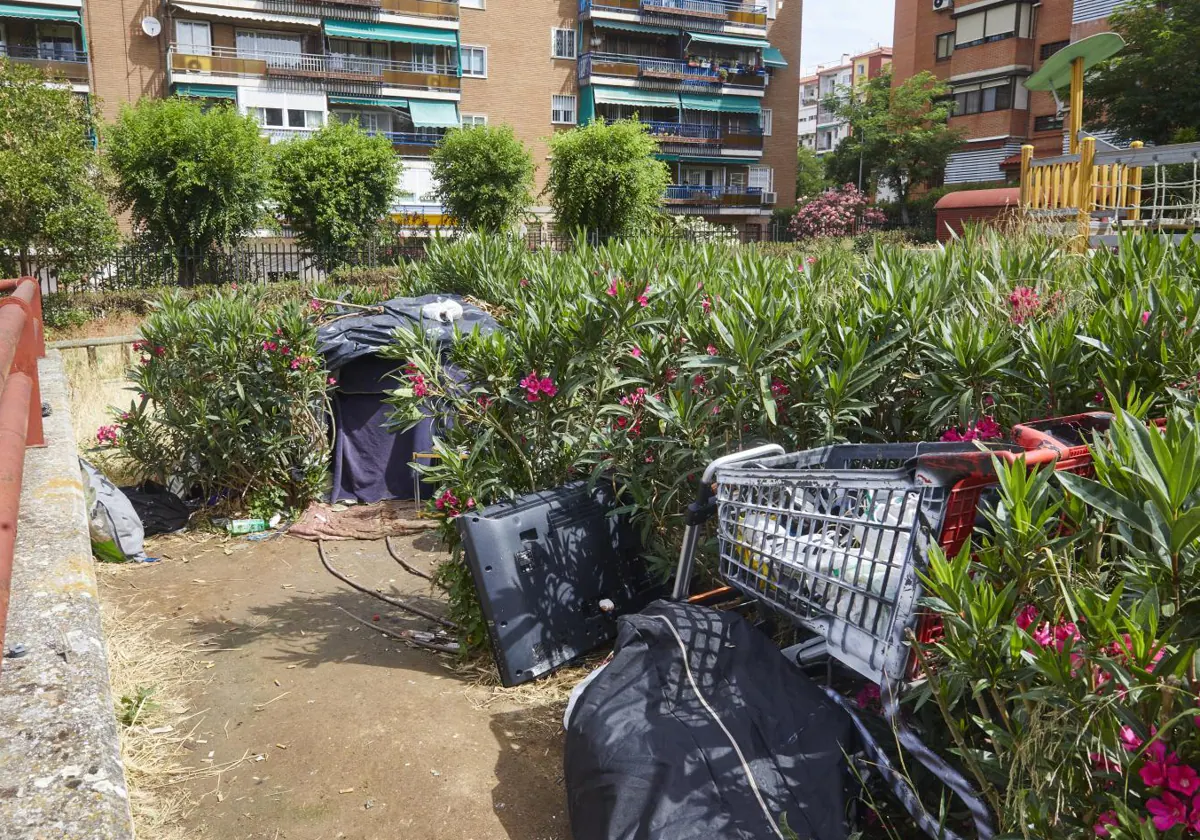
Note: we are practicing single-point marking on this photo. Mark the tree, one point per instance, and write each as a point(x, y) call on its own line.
point(1148, 90)
point(810, 174)
point(336, 186)
point(901, 133)
point(192, 178)
point(484, 175)
point(51, 187)
point(604, 177)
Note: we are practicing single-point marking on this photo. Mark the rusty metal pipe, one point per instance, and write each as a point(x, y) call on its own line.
point(12, 325)
point(14, 420)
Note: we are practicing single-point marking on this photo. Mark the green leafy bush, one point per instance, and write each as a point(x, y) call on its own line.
point(484, 175)
point(230, 400)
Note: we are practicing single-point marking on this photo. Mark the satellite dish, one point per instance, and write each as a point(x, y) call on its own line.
point(151, 26)
point(1055, 73)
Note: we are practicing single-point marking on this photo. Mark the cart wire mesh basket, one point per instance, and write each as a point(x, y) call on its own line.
point(833, 538)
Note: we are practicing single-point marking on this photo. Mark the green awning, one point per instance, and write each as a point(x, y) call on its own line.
point(39, 13)
point(630, 96)
point(724, 104)
point(430, 114)
point(207, 91)
point(391, 32)
point(732, 161)
point(635, 27)
point(380, 101)
point(772, 57)
point(728, 40)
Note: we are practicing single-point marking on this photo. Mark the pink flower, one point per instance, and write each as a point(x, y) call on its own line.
point(1145, 317)
point(447, 502)
point(315, 305)
point(706, 305)
point(636, 352)
point(867, 695)
point(1130, 739)
point(535, 387)
point(1027, 616)
point(1043, 635)
point(779, 388)
point(987, 429)
point(1103, 821)
point(1183, 779)
point(269, 346)
point(547, 386)
point(106, 435)
point(611, 291)
point(711, 350)
point(1168, 811)
point(951, 436)
point(524, 282)
point(1194, 822)
point(331, 381)
point(644, 297)
point(295, 364)
point(1154, 772)
point(811, 260)
point(1064, 633)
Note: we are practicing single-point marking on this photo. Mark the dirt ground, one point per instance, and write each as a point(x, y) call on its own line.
point(333, 730)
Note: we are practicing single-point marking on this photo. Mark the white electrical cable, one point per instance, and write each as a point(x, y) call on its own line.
point(716, 719)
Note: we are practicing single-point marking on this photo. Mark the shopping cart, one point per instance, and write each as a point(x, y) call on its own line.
point(833, 538)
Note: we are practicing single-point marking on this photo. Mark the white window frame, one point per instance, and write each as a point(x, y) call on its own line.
point(555, 32)
point(472, 4)
point(767, 121)
point(197, 23)
point(760, 171)
point(557, 100)
point(463, 51)
point(472, 120)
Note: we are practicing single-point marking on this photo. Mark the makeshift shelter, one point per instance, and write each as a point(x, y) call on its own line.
point(370, 462)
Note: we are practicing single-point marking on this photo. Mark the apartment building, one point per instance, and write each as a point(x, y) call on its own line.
point(49, 35)
point(819, 129)
point(984, 50)
point(710, 77)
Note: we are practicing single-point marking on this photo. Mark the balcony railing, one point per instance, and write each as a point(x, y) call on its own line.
point(691, 134)
point(73, 64)
point(722, 196)
point(688, 11)
point(404, 142)
point(683, 71)
point(226, 61)
point(365, 10)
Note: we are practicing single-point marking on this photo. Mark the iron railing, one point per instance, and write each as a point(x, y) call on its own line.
point(686, 72)
point(21, 345)
point(717, 12)
point(44, 53)
point(230, 61)
point(726, 195)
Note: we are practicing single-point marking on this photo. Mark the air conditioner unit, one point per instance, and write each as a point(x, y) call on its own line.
point(768, 198)
point(942, 5)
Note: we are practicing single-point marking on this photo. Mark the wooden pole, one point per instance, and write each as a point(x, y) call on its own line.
point(1026, 186)
point(1135, 187)
point(1076, 115)
point(1084, 189)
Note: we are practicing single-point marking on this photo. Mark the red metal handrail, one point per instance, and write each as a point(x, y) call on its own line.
point(22, 343)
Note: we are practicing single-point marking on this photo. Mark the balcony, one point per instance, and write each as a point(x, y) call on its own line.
point(704, 139)
point(683, 195)
point(687, 72)
point(691, 13)
point(403, 142)
point(70, 64)
point(335, 71)
point(365, 10)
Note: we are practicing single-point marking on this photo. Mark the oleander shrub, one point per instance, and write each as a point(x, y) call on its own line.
point(229, 400)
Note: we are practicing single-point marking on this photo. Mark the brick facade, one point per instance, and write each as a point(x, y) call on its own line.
point(126, 63)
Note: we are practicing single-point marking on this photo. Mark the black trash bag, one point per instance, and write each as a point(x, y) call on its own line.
point(161, 511)
point(722, 749)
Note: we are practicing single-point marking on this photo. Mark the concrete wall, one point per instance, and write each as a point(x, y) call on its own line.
point(61, 776)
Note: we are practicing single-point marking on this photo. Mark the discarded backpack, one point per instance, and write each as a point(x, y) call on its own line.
point(699, 727)
point(113, 524)
point(161, 511)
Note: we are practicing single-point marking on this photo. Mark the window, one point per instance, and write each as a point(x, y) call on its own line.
point(1050, 49)
point(424, 58)
point(268, 117)
point(193, 37)
point(474, 61)
point(995, 95)
point(279, 49)
point(368, 121)
point(562, 43)
point(562, 109)
point(303, 119)
point(994, 24)
point(1048, 122)
point(772, 9)
point(471, 4)
point(767, 120)
point(472, 120)
point(56, 41)
point(737, 180)
point(945, 46)
point(762, 177)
